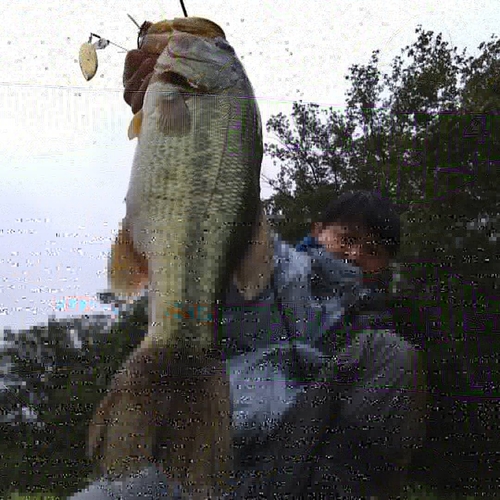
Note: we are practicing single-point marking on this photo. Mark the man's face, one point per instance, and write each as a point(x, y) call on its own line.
point(353, 243)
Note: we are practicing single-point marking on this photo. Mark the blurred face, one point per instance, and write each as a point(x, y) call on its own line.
point(353, 243)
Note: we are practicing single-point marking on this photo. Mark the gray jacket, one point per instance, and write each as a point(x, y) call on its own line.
point(285, 328)
point(277, 346)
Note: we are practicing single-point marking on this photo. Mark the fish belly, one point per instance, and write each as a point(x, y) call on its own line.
point(191, 204)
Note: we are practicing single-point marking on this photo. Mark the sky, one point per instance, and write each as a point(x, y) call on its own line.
point(65, 156)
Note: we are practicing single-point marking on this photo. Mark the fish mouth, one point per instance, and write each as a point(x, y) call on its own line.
point(181, 81)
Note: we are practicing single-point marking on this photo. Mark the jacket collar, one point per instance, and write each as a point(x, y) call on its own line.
point(308, 242)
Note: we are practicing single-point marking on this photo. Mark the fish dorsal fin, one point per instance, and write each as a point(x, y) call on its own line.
point(134, 129)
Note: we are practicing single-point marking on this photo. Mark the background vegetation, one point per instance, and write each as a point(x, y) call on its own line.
point(425, 135)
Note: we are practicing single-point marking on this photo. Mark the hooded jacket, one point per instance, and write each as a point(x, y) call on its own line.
point(277, 343)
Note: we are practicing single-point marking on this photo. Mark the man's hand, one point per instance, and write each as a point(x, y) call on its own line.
point(139, 65)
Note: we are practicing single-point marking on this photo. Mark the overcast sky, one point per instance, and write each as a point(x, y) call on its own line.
point(65, 156)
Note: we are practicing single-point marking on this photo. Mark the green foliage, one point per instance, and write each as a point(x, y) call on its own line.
point(40, 496)
point(62, 385)
point(425, 135)
point(417, 492)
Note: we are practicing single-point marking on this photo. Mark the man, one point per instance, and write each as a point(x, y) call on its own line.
point(326, 401)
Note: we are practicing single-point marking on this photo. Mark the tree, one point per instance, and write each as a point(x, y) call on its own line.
point(425, 136)
point(60, 383)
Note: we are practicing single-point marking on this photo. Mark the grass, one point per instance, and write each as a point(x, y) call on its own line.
point(416, 492)
point(419, 492)
point(39, 496)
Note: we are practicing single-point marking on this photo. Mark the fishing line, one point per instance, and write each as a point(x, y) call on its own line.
point(184, 8)
point(143, 29)
point(134, 21)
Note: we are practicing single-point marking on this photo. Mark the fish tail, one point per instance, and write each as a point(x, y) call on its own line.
point(194, 441)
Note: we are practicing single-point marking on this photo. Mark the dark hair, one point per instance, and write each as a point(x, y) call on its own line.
point(378, 215)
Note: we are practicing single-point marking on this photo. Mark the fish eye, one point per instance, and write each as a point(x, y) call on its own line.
point(222, 44)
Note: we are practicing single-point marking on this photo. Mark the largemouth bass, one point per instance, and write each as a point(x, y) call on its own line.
point(192, 204)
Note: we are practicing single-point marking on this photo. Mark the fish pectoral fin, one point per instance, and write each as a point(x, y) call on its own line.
point(173, 115)
point(134, 129)
point(127, 269)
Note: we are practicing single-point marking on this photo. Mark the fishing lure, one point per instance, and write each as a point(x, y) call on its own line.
point(88, 55)
point(88, 51)
point(88, 59)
